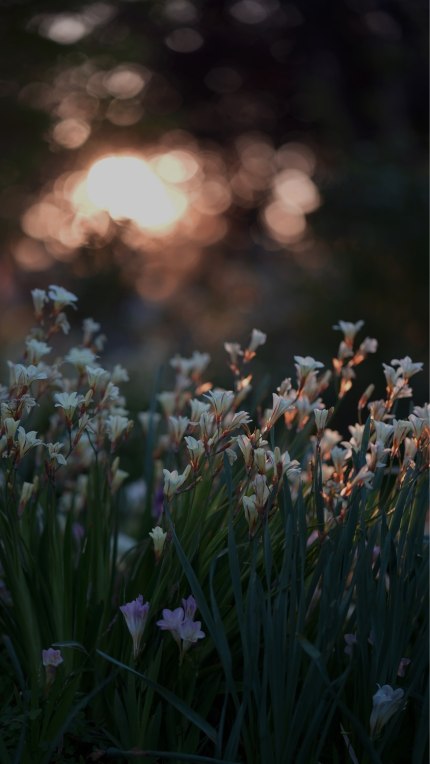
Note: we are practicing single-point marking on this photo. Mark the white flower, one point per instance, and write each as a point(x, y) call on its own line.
point(401, 428)
point(27, 491)
point(386, 702)
point(97, 377)
point(220, 401)
point(119, 374)
point(148, 419)
point(290, 467)
point(116, 426)
point(339, 457)
point(118, 478)
point(321, 417)
point(234, 350)
point(173, 481)
point(21, 377)
point(197, 409)
point(406, 367)
point(39, 298)
point(80, 358)
point(62, 322)
point(251, 512)
point(262, 492)
point(419, 425)
point(304, 365)
point(158, 537)
point(239, 419)
point(195, 448)
point(54, 452)
point(245, 446)
point(382, 431)
point(27, 441)
point(168, 402)
point(279, 407)
point(89, 327)
point(357, 432)
point(10, 427)
point(36, 350)
point(68, 402)
point(61, 297)
point(257, 338)
point(349, 329)
point(177, 426)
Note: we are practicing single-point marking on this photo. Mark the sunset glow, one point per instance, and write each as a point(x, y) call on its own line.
point(127, 188)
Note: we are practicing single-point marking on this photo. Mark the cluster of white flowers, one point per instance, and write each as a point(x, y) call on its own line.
point(208, 423)
point(87, 414)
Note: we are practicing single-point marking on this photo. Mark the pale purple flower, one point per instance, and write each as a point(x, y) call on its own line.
point(190, 631)
point(51, 657)
point(190, 607)
point(386, 702)
point(184, 630)
point(404, 663)
point(136, 614)
point(351, 640)
point(171, 621)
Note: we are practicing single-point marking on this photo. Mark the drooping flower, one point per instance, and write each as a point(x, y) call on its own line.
point(136, 614)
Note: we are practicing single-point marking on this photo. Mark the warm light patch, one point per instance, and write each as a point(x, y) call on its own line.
point(127, 188)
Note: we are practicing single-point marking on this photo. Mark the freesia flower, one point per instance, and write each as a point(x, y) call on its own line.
point(349, 329)
point(51, 659)
point(184, 630)
point(135, 614)
point(61, 297)
point(158, 537)
point(386, 702)
point(173, 481)
point(80, 358)
point(39, 298)
point(69, 403)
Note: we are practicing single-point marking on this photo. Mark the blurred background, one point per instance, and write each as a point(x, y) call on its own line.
point(192, 170)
